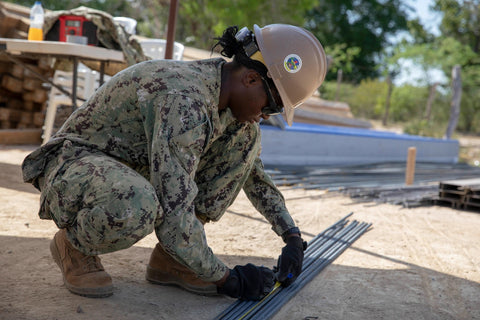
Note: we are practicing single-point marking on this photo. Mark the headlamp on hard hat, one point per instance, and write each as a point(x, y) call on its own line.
point(247, 39)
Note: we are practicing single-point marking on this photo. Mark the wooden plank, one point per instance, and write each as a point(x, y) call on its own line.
point(25, 136)
point(15, 104)
point(11, 115)
point(38, 118)
point(45, 63)
point(29, 105)
point(17, 9)
point(4, 67)
point(26, 117)
point(38, 96)
point(16, 34)
point(57, 48)
point(17, 71)
point(307, 116)
point(29, 74)
point(12, 84)
point(5, 124)
point(31, 84)
point(473, 183)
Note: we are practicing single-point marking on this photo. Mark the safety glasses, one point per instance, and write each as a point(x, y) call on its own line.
point(273, 108)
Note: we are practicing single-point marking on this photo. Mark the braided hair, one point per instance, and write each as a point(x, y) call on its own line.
point(232, 48)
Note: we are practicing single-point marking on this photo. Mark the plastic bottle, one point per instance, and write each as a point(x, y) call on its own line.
point(35, 32)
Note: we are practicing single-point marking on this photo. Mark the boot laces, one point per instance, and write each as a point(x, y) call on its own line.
point(91, 264)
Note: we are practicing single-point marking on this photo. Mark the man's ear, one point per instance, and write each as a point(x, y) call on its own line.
point(251, 78)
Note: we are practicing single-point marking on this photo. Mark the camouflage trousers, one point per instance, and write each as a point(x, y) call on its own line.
point(107, 206)
point(104, 204)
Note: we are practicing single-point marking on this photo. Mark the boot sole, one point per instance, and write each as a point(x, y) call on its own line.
point(101, 292)
point(158, 277)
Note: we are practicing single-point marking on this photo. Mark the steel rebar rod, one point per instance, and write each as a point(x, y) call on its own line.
point(241, 306)
point(301, 281)
point(323, 249)
point(298, 284)
point(268, 310)
point(321, 244)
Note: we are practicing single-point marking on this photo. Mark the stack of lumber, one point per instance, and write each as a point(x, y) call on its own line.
point(23, 96)
point(14, 20)
point(324, 112)
point(461, 194)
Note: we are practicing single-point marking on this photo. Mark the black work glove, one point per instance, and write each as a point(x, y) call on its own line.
point(290, 262)
point(248, 282)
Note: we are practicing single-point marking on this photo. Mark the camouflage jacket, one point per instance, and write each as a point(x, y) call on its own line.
point(161, 118)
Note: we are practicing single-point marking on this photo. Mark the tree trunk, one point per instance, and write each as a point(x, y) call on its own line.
point(339, 81)
point(431, 98)
point(456, 99)
point(387, 101)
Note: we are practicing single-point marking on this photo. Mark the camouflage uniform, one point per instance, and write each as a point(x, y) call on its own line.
point(151, 151)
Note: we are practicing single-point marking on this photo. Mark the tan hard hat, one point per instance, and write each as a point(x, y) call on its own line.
point(295, 60)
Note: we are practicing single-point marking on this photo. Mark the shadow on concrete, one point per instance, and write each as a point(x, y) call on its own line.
point(32, 288)
point(11, 178)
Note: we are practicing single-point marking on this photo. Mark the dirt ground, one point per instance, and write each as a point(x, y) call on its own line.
point(420, 263)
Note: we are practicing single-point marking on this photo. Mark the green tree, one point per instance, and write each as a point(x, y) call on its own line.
point(460, 44)
point(364, 24)
point(460, 21)
point(199, 21)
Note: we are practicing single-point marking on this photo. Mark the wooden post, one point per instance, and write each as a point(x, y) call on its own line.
point(455, 104)
point(431, 97)
point(172, 21)
point(410, 171)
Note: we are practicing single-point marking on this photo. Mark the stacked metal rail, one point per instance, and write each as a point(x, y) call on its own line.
point(366, 176)
point(462, 194)
point(321, 251)
point(383, 182)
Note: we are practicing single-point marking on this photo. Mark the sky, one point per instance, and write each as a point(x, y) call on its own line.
point(431, 21)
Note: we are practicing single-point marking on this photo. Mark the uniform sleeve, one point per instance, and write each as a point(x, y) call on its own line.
point(267, 199)
point(178, 139)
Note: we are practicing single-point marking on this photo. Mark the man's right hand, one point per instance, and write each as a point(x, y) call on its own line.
point(248, 282)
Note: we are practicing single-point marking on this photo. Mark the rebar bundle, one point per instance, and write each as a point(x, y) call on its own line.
point(321, 251)
point(366, 176)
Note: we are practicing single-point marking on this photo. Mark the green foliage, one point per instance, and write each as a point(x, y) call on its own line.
point(365, 99)
point(328, 91)
point(457, 45)
point(422, 127)
point(199, 21)
point(364, 24)
point(368, 99)
point(469, 120)
point(460, 21)
point(342, 57)
point(408, 102)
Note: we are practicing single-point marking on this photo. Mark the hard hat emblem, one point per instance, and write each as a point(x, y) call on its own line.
point(292, 63)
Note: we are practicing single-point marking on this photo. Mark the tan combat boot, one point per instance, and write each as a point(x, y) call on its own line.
point(164, 269)
point(83, 275)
